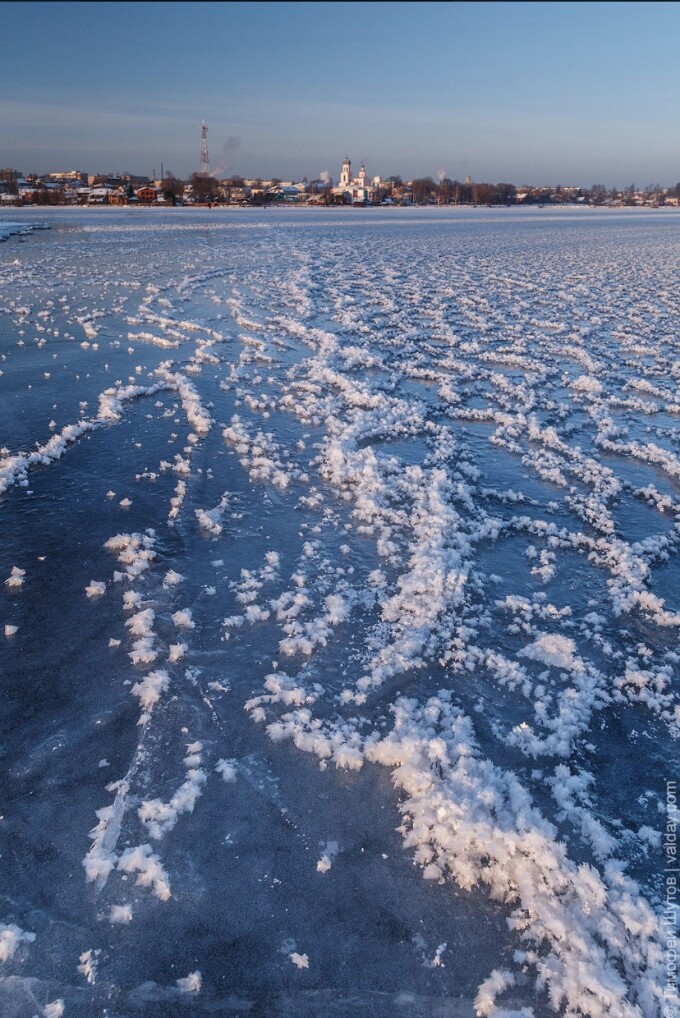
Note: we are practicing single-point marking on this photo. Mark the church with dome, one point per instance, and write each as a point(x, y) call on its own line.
point(356, 189)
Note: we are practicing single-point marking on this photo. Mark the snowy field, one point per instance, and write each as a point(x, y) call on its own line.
point(339, 612)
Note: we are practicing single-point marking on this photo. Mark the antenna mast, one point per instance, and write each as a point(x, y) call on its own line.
point(205, 162)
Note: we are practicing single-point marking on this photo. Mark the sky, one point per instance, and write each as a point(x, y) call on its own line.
point(541, 93)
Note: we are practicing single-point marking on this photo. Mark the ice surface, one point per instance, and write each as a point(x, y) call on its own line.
point(10, 229)
point(381, 650)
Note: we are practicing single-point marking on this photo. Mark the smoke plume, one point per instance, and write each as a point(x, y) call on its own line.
point(227, 156)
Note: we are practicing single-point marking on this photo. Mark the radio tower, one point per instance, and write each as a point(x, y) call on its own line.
point(205, 162)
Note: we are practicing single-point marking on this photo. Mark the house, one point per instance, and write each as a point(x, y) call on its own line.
point(146, 195)
point(99, 196)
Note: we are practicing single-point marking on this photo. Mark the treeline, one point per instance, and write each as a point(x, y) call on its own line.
point(424, 190)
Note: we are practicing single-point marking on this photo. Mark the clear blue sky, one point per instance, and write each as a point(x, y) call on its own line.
point(524, 92)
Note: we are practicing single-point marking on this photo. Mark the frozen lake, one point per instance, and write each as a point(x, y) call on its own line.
point(338, 629)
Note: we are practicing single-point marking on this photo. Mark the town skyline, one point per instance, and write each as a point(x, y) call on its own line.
point(324, 176)
point(572, 92)
point(79, 188)
point(232, 168)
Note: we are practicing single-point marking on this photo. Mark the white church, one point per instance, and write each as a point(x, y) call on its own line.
point(356, 189)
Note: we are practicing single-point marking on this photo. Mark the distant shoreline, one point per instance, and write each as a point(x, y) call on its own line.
point(296, 207)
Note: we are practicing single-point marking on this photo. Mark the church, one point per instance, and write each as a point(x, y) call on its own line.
point(356, 189)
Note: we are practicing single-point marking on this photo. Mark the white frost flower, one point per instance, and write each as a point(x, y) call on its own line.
point(10, 937)
point(183, 619)
point(15, 578)
point(227, 768)
point(120, 914)
point(191, 983)
point(54, 1010)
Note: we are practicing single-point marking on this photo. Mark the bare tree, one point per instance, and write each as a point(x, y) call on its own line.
point(204, 189)
point(9, 178)
point(505, 194)
point(598, 193)
point(445, 191)
point(172, 188)
point(422, 190)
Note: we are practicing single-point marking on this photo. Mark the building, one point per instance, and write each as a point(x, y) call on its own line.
point(99, 195)
point(146, 195)
point(356, 189)
point(74, 177)
point(105, 180)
